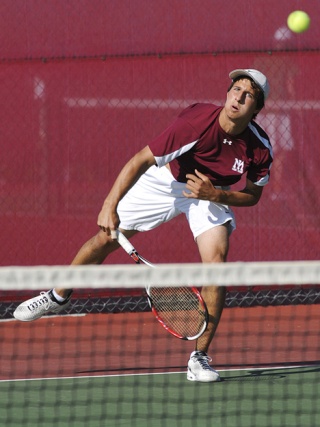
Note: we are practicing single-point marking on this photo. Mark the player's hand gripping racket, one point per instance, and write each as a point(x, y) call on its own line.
point(180, 310)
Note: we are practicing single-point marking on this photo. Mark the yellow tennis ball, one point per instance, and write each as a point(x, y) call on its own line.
point(298, 21)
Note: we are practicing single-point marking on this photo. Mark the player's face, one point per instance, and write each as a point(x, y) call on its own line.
point(241, 100)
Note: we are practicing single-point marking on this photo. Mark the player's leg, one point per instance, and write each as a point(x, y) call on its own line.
point(211, 225)
point(94, 251)
point(213, 246)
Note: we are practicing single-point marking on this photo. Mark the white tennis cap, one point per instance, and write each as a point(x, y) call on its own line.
point(259, 78)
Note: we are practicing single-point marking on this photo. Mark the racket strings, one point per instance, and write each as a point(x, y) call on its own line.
point(179, 308)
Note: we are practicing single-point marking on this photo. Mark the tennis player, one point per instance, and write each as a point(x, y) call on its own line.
point(188, 169)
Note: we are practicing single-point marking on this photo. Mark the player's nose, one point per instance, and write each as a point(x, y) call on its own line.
point(240, 96)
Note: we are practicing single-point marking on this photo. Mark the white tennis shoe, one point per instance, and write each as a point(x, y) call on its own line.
point(36, 307)
point(199, 368)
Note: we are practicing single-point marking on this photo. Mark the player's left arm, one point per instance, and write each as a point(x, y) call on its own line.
point(199, 186)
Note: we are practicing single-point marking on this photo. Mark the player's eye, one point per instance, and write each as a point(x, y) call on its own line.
point(250, 95)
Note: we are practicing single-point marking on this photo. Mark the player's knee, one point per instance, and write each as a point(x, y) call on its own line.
point(218, 256)
point(221, 257)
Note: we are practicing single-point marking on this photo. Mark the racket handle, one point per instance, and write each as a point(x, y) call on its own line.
point(124, 242)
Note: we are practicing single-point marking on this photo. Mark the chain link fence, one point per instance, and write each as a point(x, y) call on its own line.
point(85, 85)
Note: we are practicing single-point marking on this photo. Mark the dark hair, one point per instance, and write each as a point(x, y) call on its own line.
point(260, 97)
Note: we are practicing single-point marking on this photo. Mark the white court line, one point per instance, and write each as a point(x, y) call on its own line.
point(49, 317)
point(161, 373)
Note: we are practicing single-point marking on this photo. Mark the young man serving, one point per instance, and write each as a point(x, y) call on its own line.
point(187, 169)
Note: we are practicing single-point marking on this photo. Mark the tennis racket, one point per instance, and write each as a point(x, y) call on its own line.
point(180, 310)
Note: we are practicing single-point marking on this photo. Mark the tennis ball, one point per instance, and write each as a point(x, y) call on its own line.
point(298, 21)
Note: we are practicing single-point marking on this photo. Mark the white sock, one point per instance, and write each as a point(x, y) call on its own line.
point(58, 297)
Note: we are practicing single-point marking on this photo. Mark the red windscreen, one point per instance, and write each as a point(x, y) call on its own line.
point(113, 77)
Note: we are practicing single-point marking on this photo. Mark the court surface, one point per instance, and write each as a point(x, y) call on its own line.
point(126, 370)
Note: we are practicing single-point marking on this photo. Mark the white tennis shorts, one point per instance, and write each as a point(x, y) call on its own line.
point(157, 198)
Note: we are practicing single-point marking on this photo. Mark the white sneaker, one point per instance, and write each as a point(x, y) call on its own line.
point(199, 368)
point(36, 307)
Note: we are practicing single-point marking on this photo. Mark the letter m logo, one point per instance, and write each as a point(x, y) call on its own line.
point(238, 165)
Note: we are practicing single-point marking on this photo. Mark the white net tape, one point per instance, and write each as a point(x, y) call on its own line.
point(132, 276)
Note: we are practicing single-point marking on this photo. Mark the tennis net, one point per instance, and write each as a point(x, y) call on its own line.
point(106, 361)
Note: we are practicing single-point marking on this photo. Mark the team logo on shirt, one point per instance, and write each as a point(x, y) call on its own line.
point(238, 165)
point(226, 141)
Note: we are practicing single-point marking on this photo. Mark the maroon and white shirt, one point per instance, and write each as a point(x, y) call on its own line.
point(195, 140)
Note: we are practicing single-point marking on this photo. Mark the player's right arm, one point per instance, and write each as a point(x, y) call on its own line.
point(108, 219)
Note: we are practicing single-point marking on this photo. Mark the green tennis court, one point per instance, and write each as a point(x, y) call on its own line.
point(243, 398)
point(124, 369)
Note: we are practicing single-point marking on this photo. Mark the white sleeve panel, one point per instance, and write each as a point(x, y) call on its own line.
point(167, 158)
point(262, 181)
point(264, 141)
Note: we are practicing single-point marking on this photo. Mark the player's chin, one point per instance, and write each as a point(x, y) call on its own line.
point(234, 114)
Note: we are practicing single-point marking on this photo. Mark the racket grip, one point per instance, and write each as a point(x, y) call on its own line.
point(124, 242)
